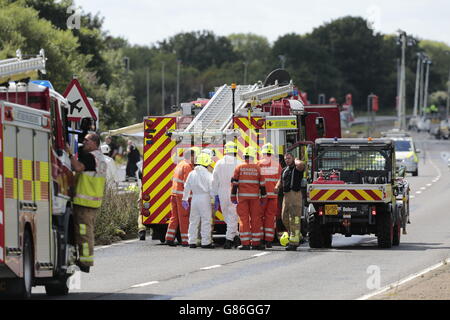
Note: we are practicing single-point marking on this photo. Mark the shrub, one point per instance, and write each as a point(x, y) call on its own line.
point(117, 219)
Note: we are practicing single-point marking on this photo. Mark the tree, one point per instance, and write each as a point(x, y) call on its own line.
point(200, 49)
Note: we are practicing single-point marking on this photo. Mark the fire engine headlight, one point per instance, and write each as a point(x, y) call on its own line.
point(146, 205)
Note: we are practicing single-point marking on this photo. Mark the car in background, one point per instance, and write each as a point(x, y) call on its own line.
point(406, 154)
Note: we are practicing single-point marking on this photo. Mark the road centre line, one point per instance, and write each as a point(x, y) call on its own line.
point(140, 285)
point(261, 254)
point(211, 267)
point(404, 280)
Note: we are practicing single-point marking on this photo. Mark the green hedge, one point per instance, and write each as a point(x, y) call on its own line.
point(117, 219)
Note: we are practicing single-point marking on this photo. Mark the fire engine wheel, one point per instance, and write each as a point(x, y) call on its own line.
point(26, 282)
point(385, 230)
point(57, 288)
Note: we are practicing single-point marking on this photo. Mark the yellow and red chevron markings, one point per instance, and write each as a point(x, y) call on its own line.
point(252, 133)
point(346, 195)
point(158, 168)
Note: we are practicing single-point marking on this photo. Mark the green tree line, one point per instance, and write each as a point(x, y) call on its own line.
point(339, 57)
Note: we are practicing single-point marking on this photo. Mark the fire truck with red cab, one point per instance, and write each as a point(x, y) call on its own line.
point(36, 228)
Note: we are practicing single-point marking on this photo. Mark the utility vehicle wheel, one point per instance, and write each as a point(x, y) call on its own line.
point(385, 230)
point(315, 236)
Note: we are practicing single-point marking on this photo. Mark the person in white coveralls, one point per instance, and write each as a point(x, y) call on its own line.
point(199, 182)
point(221, 187)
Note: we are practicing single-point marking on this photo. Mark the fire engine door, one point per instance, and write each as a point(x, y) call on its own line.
point(41, 188)
point(11, 185)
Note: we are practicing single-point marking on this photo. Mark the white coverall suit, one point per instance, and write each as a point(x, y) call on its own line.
point(199, 182)
point(221, 185)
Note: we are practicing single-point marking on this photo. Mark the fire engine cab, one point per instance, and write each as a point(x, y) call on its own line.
point(36, 230)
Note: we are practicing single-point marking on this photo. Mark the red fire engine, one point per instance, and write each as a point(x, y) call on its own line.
point(36, 232)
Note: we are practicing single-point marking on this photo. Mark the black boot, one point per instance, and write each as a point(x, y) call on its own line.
point(259, 247)
point(209, 246)
point(228, 244)
point(171, 243)
point(291, 247)
point(236, 241)
point(268, 244)
point(142, 234)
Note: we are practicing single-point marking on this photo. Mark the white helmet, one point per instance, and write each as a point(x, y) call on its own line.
point(105, 149)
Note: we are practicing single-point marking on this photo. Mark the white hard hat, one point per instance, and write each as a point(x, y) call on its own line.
point(105, 148)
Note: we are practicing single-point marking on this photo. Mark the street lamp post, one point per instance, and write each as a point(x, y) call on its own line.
point(404, 40)
point(178, 83)
point(425, 90)
point(245, 71)
point(148, 90)
point(163, 89)
point(421, 82)
point(401, 104)
point(448, 92)
point(418, 75)
point(282, 60)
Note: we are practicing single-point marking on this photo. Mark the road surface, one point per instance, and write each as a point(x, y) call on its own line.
point(354, 267)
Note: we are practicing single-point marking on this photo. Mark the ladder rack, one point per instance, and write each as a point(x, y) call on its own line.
point(18, 68)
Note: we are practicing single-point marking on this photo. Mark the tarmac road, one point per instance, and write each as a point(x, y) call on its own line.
point(151, 271)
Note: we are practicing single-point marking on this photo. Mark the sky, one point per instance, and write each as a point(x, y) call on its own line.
point(146, 22)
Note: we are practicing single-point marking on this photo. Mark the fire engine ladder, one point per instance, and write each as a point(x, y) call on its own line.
point(18, 68)
point(261, 96)
point(219, 109)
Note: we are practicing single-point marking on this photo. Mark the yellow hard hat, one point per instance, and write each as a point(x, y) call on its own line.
point(267, 148)
point(203, 159)
point(250, 152)
point(284, 240)
point(230, 147)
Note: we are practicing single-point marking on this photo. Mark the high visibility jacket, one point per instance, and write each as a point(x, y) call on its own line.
point(90, 185)
point(180, 175)
point(247, 177)
point(271, 171)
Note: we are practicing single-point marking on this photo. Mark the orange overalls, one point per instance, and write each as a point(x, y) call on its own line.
point(271, 171)
point(179, 216)
point(249, 181)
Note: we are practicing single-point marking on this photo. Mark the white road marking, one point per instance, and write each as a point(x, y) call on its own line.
point(403, 281)
point(428, 184)
point(102, 247)
point(423, 188)
point(261, 254)
point(140, 285)
point(211, 267)
point(418, 192)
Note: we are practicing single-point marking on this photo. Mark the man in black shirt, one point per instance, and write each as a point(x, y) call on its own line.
point(290, 182)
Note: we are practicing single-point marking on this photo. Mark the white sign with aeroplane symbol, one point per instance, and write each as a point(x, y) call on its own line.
point(79, 106)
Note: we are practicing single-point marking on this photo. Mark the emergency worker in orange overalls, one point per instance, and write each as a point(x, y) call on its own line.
point(249, 193)
point(180, 216)
point(271, 171)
